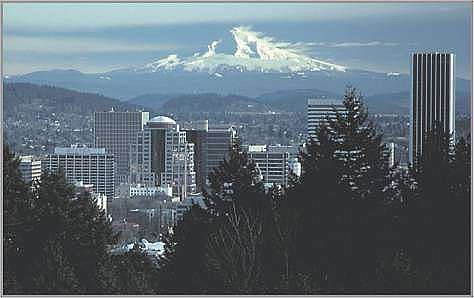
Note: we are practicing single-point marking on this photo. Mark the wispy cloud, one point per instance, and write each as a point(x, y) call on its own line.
point(67, 16)
point(351, 44)
point(75, 45)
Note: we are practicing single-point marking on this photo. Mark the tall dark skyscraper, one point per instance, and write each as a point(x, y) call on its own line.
point(433, 97)
point(198, 136)
point(219, 140)
point(211, 146)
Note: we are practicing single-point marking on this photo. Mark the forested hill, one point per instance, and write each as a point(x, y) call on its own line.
point(16, 96)
point(38, 118)
point(211, 102)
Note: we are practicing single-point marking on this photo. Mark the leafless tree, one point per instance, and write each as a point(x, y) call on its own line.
point(234, 250)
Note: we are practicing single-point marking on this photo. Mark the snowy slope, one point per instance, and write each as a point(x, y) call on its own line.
point(254, 52)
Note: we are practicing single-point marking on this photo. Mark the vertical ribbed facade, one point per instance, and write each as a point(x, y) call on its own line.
point(433, 97)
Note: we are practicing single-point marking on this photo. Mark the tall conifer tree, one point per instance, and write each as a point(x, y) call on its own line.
point(339, 203)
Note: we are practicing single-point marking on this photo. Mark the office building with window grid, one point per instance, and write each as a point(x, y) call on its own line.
point(115, 131)
point(84, 165)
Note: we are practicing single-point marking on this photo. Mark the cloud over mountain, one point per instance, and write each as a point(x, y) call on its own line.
point(253, 52)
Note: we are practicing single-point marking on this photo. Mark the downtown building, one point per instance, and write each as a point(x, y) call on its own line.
point(391, 154)
point(84, 165)
point(293, 151)
point(219, 142)
point(115, 131)
point(30, 168)
point(274, 166)
point(319, 110)
point(433, 97)
point(161, 156)
point(211, 147)
point(100, 199)
point(148, 191)
point(198, 136)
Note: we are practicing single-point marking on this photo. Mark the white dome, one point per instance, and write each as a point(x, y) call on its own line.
point(161, 120)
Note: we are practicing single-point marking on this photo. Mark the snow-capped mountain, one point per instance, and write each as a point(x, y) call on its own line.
point(257, 64)
point(253, 52)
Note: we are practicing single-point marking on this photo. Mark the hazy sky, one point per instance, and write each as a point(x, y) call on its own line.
point(102, 37)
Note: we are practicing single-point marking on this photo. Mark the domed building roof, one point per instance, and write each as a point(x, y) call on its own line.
point(162, 119)
point(161, 122)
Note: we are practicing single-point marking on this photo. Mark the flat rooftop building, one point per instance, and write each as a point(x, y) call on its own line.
point(86, 165)
point(273, 166)
point(321, 109)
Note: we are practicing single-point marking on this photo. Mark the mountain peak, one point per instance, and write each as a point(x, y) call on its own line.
point(254, 52)
point(167, 63)
point(264, 47)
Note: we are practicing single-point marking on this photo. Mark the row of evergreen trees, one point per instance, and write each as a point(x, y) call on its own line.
point(55, 245)
point(348, 224)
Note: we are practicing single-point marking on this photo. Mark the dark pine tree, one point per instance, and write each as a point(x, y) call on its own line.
point(87, 236)
point(242, 209)
point(337, 206)
point(235, 181)
point(436, 216)
point(55, 273)
point(182, 269)
point(461, 191)
point(16, 200)
point(57, 243)
point(219, 250)
point(134, 273)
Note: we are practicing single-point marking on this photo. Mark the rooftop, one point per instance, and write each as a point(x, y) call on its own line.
point(162, 119)
point(162, 122)
point(77, 150)
point(325, 101)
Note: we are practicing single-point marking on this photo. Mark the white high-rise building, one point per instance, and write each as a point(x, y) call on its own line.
point(391, 154)
point(84, 165)
point(30, 168)
point(163, 157)
point(321, 109)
